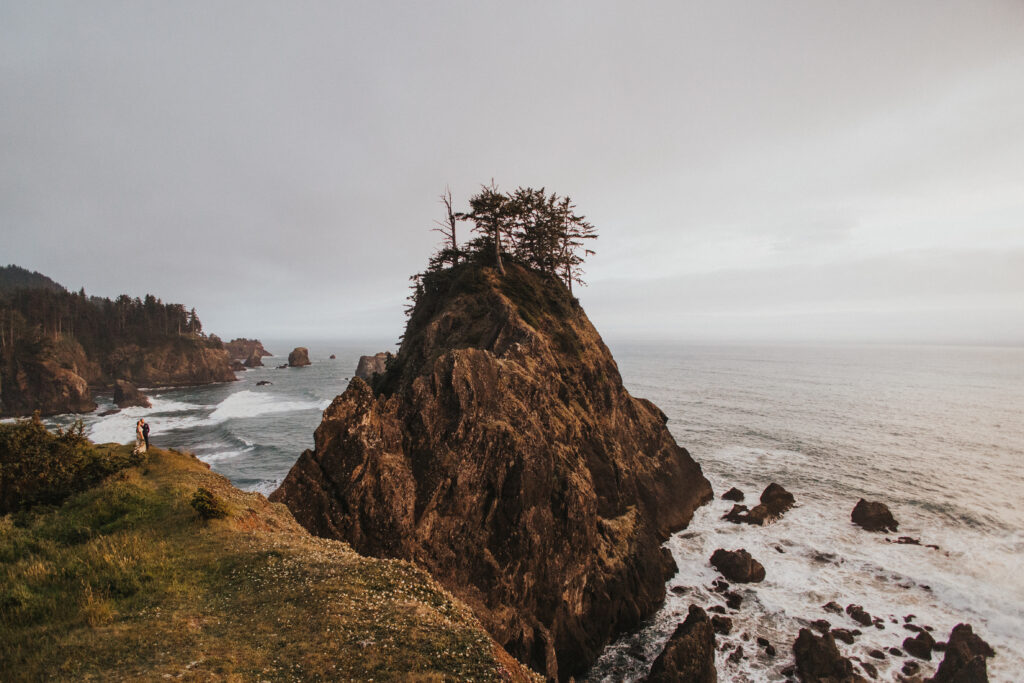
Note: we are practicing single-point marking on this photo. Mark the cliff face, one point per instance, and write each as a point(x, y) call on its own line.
point(242, 348)
point(180, 363)
point(501, 452)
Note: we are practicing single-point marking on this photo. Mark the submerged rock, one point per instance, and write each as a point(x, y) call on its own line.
point(818, 660)
point(858, 614)
point(965, 659)
point(501, 452)
point(299, 357)
point(873, 516)
point(738, 566)
point(689, 654)
point(127, 395)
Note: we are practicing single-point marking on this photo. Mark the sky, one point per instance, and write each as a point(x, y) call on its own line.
point(785, 171)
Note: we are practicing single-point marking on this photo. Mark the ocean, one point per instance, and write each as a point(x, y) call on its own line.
point(936, 433)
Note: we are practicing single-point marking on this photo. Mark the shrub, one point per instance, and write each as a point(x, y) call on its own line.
point(39, 467)
point(208, 505)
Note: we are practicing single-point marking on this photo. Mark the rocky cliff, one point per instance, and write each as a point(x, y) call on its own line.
point(242, 348)
point(501, 452)
point(372, 365)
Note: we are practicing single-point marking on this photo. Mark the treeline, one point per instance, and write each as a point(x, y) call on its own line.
point(31, 318)
point(530, 227)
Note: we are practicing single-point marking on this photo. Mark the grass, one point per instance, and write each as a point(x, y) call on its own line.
point(125, 580)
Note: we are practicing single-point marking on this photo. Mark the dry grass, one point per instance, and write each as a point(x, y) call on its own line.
point(126, 581)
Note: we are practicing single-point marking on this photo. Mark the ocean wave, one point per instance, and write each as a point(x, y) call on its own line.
point(248, 403)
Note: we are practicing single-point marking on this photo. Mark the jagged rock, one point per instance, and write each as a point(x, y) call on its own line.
point(255, 359)
point(501, 452)
point(821, 625)
point(373, 365)
point(236, 366)
point(818, 660)
point(733, 494)
point(833, 606)
point(738, 566)
point(299, 357)
point(689, 654)
point(775, 501)
point(920, 645)
point(873, 516)
point(965, 657)
point(721, 624)
point(127, 395)
point(243, 348)
point(858, 614)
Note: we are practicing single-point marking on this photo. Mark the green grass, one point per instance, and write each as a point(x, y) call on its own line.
point(125, 580)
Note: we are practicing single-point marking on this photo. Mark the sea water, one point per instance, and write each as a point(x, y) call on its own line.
point(936, 433)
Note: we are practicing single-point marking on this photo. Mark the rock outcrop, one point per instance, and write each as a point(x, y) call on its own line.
point(243, 348)
point(43, 386)
point(184, 363)
point(689, 654)
point(775, 501)
point(738, 566)
point(236, 366)
point(873, 516)
point(965, 659)
point(299, 357)
point(373, 365)
point(127, 395)
point(255, 359)
point(818, 660)
point(501, 452)
point(733, 494)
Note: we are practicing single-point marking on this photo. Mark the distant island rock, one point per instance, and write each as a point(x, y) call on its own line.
point(255, 359)
point(127, 395)
point(299, 357)
point(501, 451)
point(242, 348)
point(373, 365)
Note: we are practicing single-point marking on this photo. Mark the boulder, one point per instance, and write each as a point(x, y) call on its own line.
point(689, 654)
point(873, 516)
point(255, 360)
point(775, 501)
point(733, 494)
point(818, 660)
point(502, 453)
point(965, 659)
point(372, 365)
point(858, 614)
point(920, 645)
point(738, 566)
point(299, 357)
point(721, 624)
point(127, 395)
point(333, 356)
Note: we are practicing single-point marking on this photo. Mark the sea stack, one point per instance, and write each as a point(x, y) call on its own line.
point(501, 452)
point(373, 365)
point(298, 357)
point(127, 395)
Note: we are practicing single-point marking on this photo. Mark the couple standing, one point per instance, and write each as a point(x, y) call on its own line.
point(141, 436)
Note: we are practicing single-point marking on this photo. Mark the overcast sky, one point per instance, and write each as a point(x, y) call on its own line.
point(756, 171)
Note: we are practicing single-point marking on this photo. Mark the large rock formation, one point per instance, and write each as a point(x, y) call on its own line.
point(965, 660)
point(127, 395)
point(255, 360)
point(501, 451)
point(818, 660)
point(172, 364)
point(43, 386)
point(299, 357)
point(243, 348)
point(689, 654)
point(373, 365)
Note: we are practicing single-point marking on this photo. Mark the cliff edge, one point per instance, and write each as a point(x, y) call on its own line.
point(501, 452)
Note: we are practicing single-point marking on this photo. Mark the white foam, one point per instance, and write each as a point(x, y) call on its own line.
point(266, 487)
point(248, 403)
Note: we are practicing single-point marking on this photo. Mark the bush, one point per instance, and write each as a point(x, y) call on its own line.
point(39, 467)
point(208, 505)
